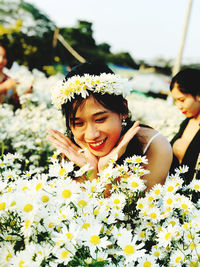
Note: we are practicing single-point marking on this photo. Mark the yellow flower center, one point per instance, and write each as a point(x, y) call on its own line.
point(8, 256)
point(129, 249)
point(192, 246)
point(93, 188)
point(167, 236)
point(27, 224)
point(86, 225)
point(196, 186)
point(95, 239)
point(82, 203)
point(173, 223)
point(157, 191)
point(96, 212)
point(45, 199)
point(24, 188)
point(2, 205)
point(140, 205)
point(178, 259)
point(116, 201)
point(21, 263)
point(170, 188)
point(156, 253)
point(28, 208)
point(134, 184)
point(38, 186)
point(61, 171)
point(64, 254)
point(66, 193)
point(51, 225)
point(184, 206)
point(150, 198)
point(142, 234)
point(69, 236)
point(153, 215)
point(13, 204)
point(169, 201)
point(10, 189)
point(147, 264)
point(138, 160)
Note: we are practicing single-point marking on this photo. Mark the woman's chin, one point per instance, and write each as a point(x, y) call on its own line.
point(99, 154)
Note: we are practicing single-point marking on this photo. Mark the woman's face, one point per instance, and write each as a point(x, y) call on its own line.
point(96, 127)
point(188, 104)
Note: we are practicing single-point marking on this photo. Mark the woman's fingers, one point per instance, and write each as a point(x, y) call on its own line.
point(126, 138)
point(62, 138)
point(71, 151)
point(132, 131)
point(57, 135)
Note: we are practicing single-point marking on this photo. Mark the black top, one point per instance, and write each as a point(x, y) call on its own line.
point(191, 153)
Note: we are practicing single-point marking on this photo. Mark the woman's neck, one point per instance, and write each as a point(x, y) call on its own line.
point(196, 118)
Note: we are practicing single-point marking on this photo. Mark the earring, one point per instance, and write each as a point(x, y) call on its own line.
point(124, 123)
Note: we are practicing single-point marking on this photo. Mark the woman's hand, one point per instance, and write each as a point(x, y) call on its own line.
point(120, 149)
point(79, 156)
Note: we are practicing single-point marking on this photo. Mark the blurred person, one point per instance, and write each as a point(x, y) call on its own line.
point(185, 90)
point(99, 123)
point(8, 85)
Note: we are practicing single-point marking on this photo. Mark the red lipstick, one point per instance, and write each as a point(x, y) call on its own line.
point(95, 145)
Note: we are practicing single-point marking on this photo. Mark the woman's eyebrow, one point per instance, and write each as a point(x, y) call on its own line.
point(99, 113)
point(179, 97)
point(94, 115)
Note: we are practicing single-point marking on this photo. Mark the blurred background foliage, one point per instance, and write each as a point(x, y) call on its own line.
point(28, 36)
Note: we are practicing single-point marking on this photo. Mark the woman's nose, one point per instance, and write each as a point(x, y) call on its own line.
point(91, 132)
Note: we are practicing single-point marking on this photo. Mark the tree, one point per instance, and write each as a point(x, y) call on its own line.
point(34, 23)
point(124, 59)
point(30, 42)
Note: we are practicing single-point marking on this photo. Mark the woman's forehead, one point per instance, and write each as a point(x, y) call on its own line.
point(89, 102)
point(89, 106)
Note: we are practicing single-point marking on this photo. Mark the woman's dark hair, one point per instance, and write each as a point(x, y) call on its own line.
point(188, 81)
point(115, 103)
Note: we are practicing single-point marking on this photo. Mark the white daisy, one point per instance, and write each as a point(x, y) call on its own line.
point(131, 250)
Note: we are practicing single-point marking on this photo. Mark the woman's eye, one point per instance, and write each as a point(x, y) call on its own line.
point(101, 119)
point(78, 124)
point(179, 100)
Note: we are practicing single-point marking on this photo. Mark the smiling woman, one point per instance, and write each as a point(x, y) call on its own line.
point(99, 126)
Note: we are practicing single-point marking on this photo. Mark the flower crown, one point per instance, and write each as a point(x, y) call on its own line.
point(81, 85)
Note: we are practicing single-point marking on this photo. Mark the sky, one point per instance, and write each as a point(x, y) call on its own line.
point(147, 29)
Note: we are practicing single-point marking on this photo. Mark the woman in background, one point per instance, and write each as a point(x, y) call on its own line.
point(7, 85)
point(185, 89)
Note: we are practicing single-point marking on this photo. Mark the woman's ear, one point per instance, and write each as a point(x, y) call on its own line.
point(125, 103)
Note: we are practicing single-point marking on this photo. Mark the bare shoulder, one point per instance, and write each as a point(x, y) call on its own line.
point(159, 155)
point(158, 144)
